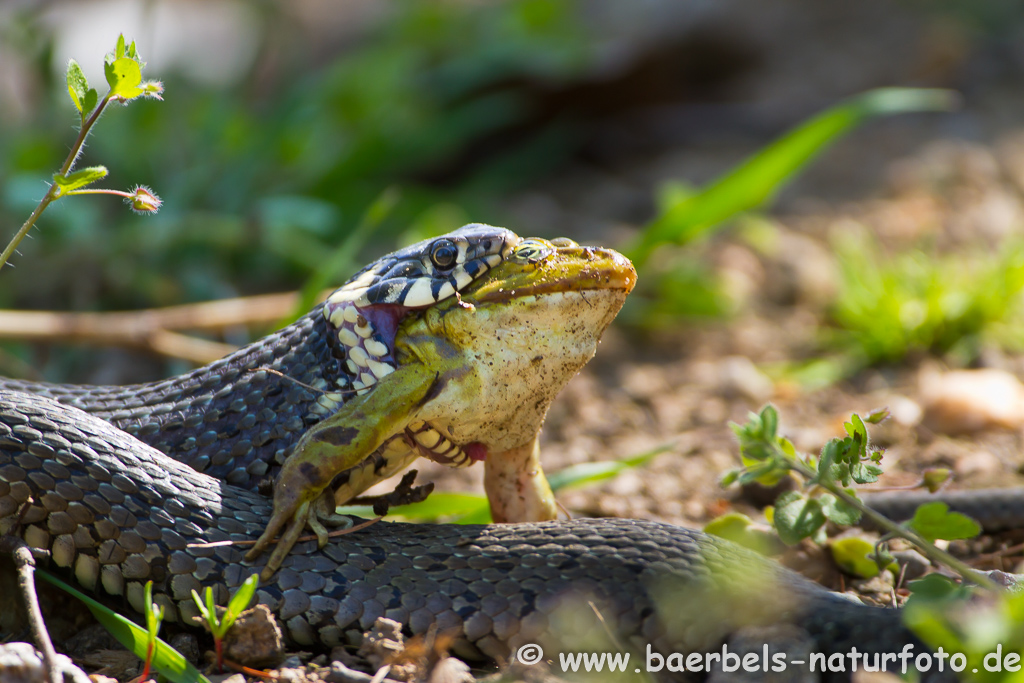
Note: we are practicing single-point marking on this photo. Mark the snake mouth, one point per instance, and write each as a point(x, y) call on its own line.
point(564, 269)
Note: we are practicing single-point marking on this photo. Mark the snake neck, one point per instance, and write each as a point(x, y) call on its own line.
point(237, 418)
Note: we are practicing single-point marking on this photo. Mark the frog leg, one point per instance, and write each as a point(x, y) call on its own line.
point(516, 486)
point(333, 446)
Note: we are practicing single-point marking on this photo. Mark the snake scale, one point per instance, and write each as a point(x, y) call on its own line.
point(115, 512)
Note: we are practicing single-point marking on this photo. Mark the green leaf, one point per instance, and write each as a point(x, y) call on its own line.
point(239, 602)
point(449, 507)
point(877, 416)
point(591, 472)
point(936, 587)
point(91, 98)
point(936, 477)
point(760, 177)
point(838, 511)
point(78, 86)
point(154, 612)
point(934, 520)
point(79, 179)
point(855, 556)
point(797, 517)
point(828, 470)
point(865, 473)
point(740, 529)
point(168, 661)
point(769, 422)
point(119, 50)
point(124, 77)
point(729, 478)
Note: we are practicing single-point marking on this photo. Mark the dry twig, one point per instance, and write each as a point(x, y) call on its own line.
point(154, 329)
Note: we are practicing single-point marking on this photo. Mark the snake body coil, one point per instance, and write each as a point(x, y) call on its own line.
point(115, 513)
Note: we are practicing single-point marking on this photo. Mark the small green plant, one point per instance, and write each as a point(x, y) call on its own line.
point(154, 615)
point(219, 624)
point(983, 636)
point(890, 306)
point(162, 657)
point(123, 71)
point(827, 492)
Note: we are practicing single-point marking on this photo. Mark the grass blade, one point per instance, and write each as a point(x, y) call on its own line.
point(760, 177)
point(448, 507)
point(592, 472)
point(168, 661)
point(342, 261)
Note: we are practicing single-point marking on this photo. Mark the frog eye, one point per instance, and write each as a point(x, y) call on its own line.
point(444, 254)
point(532, 251)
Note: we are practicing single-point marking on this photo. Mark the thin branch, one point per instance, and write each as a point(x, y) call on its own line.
point(54, 192)
point(25, 563)
point(154, 329)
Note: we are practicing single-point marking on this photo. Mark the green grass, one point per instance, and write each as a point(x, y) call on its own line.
point(681, 284)
point(891, 306)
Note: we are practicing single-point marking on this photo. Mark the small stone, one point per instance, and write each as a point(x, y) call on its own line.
point(738, 376)
point(971, 400)
point(21, 663)
point(913, 564)
point(980, 464)
point(451, 670)
point(187, 645)
point(293, 662)
point(227, 678)
point(255, 639)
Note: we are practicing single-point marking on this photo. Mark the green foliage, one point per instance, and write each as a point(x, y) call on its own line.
point(124, 74)
point(856, 556)
point(740, 529)
point(83, 97)
point(987, 629)
point(165, 659)
point(826, 494)
point(79, 179)
point(890, 306)
point(934, 521)
point(593, 472)
point(154, 615)
point(760, 177)
point(686, 215)
point(319, 136)
point(220, 623)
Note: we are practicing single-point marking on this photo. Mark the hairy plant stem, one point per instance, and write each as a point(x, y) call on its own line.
point(53, 193)
point(928, 549)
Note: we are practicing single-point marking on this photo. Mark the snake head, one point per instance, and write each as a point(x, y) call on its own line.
point(365, 313)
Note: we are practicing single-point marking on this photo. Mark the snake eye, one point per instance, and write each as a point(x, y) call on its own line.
point(444, 254)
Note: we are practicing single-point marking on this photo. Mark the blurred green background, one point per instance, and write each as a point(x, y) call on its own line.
point(284, 121)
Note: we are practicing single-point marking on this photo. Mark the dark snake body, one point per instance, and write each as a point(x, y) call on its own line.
point(231, 419)
point(115, 513)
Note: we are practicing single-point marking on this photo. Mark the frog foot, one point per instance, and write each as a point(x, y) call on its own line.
point(322, 515)
point(313, 514)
